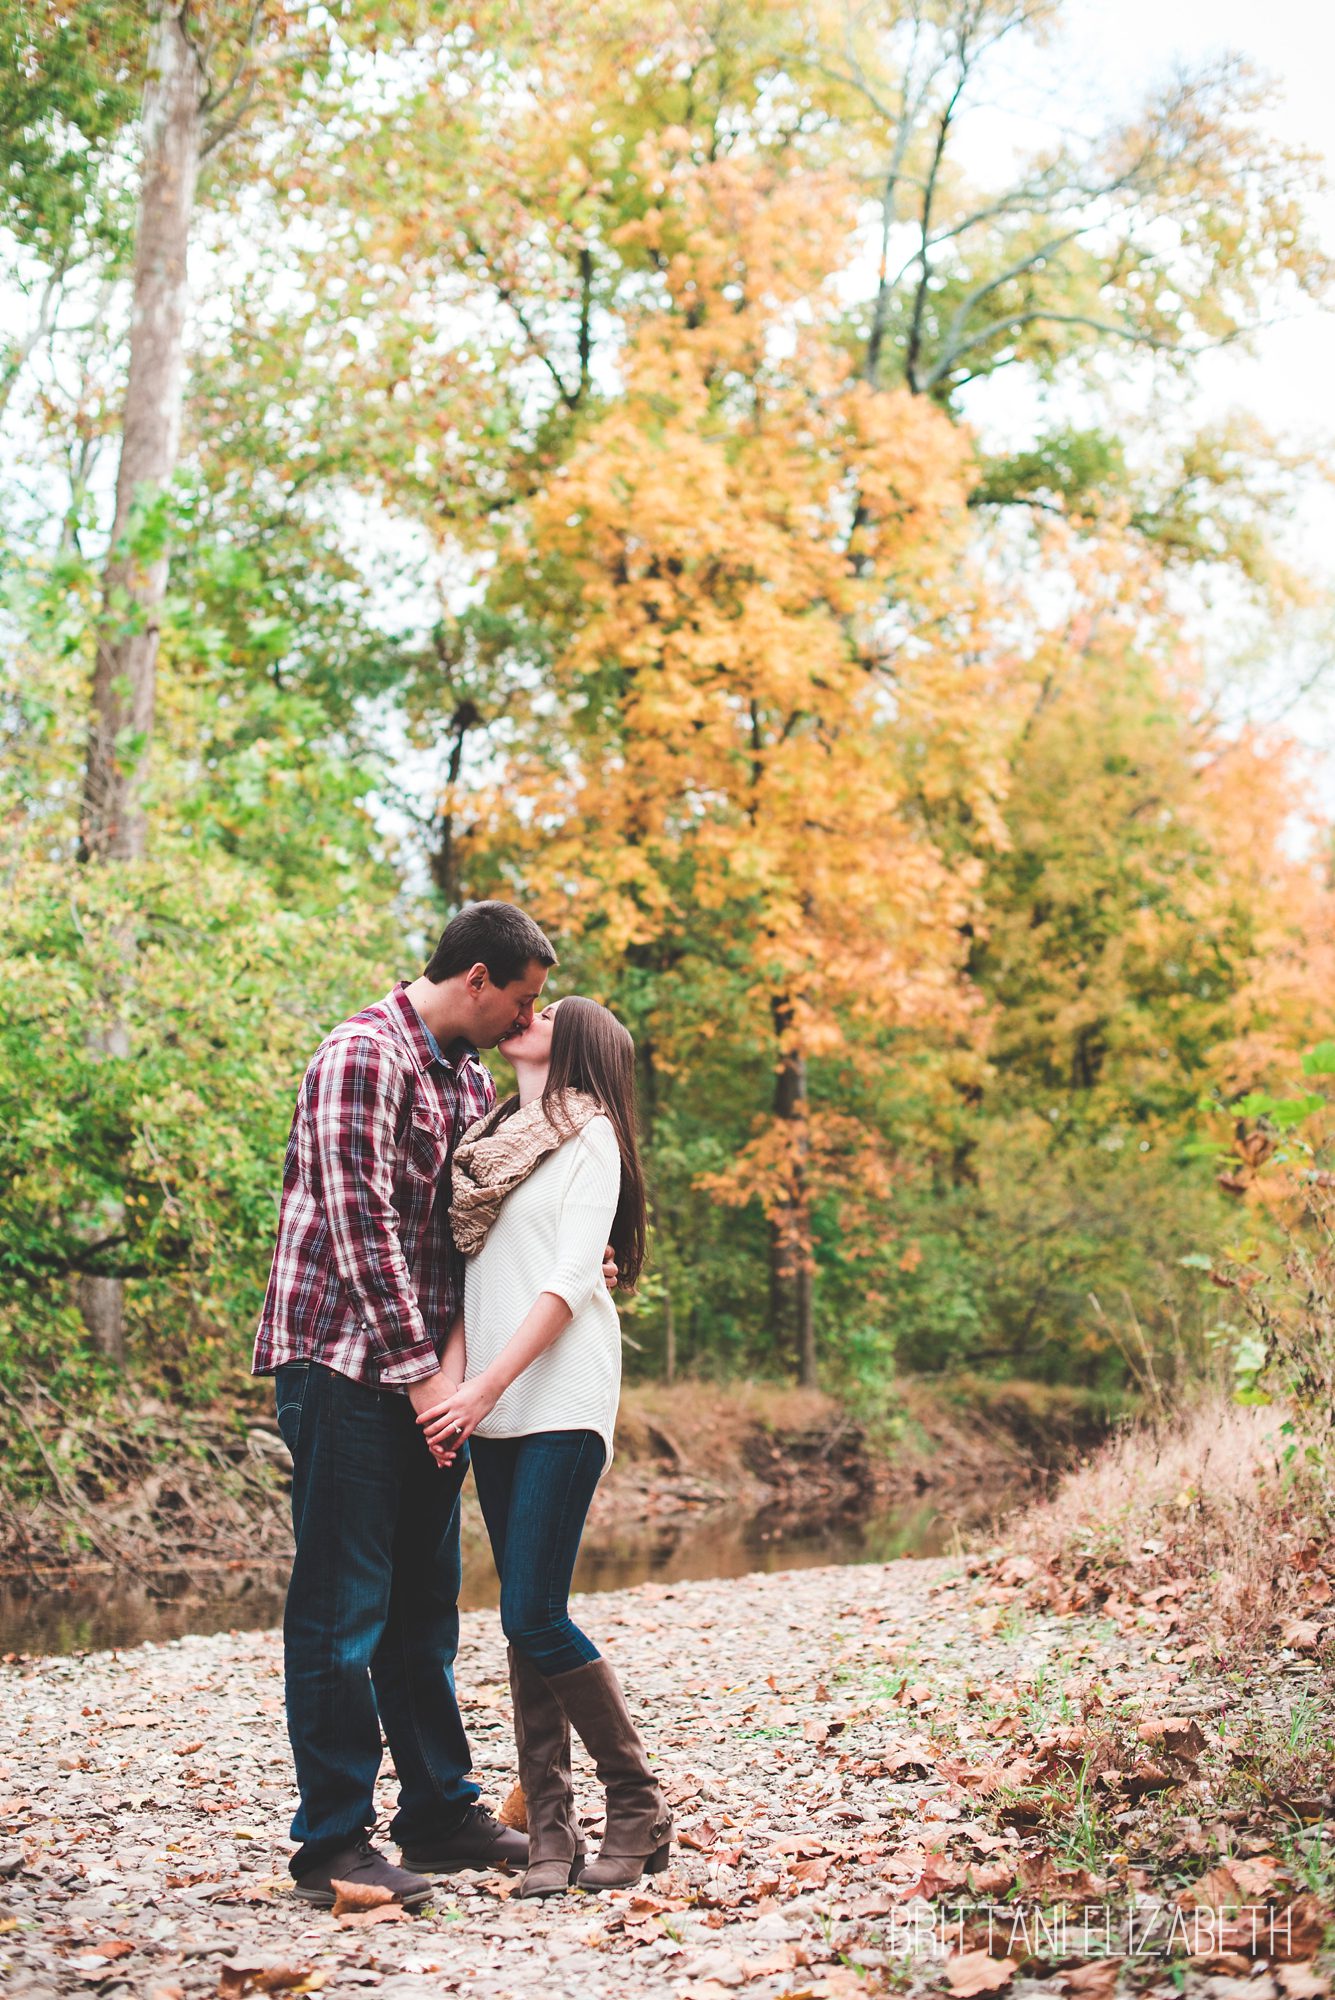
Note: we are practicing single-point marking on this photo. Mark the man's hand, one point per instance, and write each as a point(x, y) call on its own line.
point(458, 1415)
point(429, 1394)
point(431, 1390)
point(610, 1271)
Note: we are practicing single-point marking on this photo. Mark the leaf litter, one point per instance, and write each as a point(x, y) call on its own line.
point(854, 1755)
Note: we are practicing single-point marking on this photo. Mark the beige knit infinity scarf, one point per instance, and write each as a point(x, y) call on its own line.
point(497, 1153)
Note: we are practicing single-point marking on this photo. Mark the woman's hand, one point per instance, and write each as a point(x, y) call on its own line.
point(431, 1394)
point(452, 1418)
point(450, 1423)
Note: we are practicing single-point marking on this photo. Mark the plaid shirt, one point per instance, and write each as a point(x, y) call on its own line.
point(365, 1276)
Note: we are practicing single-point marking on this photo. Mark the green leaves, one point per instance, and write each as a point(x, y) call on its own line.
point(542, 491)
point(1283, 1112)
point(1250, 1356)
point(223, 998)
point(71, 75)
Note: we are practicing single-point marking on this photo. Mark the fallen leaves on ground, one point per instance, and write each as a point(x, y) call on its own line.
point(514, 1813)
point(357, 1896)
point(878, 1752)
point(384, 1913)
point(235, 1980)
point(1095, 1980)
point(970, 1972)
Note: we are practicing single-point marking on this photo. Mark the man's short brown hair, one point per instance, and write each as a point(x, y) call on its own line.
point(504, 939)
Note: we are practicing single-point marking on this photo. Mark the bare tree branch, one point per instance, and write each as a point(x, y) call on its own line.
point(980, 291)
point(507, 293)
point(1014, 321)
point(242, 72)
point(26, 346)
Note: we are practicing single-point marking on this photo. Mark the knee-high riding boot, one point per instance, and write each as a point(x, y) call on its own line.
point(638, 1835)
point(556, 1852)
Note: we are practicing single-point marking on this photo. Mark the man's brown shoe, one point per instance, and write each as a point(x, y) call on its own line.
point(366, 1868)
point(480, 1842)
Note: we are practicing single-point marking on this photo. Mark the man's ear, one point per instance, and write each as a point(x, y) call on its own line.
point(477, 978)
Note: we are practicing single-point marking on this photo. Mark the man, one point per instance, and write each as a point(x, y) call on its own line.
point(365, 1283)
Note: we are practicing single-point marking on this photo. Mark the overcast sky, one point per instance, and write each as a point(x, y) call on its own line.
point(1291, 384)
point(1124, 46)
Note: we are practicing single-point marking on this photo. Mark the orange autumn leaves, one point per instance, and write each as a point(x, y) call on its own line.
point(736, 733)
point(790, 749)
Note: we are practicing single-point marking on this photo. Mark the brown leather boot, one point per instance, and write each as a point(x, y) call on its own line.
point(556, 1853)
point(638, 1835)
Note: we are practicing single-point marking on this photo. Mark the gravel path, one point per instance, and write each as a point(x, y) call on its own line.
point(145, 1797)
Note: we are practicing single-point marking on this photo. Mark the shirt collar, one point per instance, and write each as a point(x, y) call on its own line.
point(424, 1044)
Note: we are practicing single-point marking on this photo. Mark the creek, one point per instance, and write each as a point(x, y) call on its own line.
point(88, 1612)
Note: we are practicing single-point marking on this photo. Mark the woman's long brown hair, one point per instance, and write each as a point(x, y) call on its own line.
point(591, 1051)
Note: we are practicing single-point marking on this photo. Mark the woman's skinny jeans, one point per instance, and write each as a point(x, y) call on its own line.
point(534, 1493)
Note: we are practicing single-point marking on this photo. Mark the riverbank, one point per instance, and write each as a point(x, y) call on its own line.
point(860, 1760)
point(139, 1488)
point(683, 1502)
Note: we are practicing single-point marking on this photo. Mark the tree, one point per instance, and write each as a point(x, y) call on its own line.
point(576, 256)
point(114, 824)
point(738, 715)
point(1162, 234)
point(546, 423)
point(67, 94)
point(207, 67)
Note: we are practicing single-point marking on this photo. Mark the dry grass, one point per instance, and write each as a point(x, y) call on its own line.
point(1205, 1496)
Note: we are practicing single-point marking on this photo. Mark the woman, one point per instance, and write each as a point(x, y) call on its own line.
point(540, 1187)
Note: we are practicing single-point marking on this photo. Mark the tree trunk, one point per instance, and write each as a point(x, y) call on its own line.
point(792, 1300)
point(649, 1123)
point(804, 1307)
point(114, 825)
point(444, 863)
point(779, 1292)
point(669, 1334)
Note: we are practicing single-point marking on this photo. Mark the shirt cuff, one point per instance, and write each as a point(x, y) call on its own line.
point(408, 1365)
point(574, 1287)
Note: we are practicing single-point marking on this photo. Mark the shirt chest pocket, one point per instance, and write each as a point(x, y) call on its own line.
point(426, 1145)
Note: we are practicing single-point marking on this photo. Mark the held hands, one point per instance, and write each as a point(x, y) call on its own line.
point(448, 1411)
point(610, 1271)
point(429, 1395)
point(449, 1423)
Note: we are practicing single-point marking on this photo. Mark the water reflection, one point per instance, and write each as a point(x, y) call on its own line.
point(101, 1614)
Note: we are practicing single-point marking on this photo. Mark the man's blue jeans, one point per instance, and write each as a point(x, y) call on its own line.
point(372, 1621)
point(534, 1493)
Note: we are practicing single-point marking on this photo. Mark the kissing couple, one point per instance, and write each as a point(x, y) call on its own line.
point(440, 1293)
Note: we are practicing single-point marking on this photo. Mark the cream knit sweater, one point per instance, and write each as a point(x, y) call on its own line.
point(549, 1237)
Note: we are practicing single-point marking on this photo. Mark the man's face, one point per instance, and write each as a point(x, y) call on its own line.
point(505, 1010)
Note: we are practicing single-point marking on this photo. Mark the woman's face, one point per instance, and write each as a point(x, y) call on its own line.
point(533, 1044)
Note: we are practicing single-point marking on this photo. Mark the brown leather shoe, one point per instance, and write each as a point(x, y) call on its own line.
point(556, 1853)
point(367, 1868)
point(480, 1842)
point(637, 1838)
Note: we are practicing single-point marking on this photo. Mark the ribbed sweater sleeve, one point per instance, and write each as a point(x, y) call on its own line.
point(588, 1206)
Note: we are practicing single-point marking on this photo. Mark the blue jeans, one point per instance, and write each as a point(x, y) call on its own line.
point(535, 1493)
point(371, 1626)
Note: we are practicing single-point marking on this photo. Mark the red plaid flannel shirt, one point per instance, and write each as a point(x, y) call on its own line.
point(365, 1276)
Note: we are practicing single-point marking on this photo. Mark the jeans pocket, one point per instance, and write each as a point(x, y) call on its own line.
point(290, 1384)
